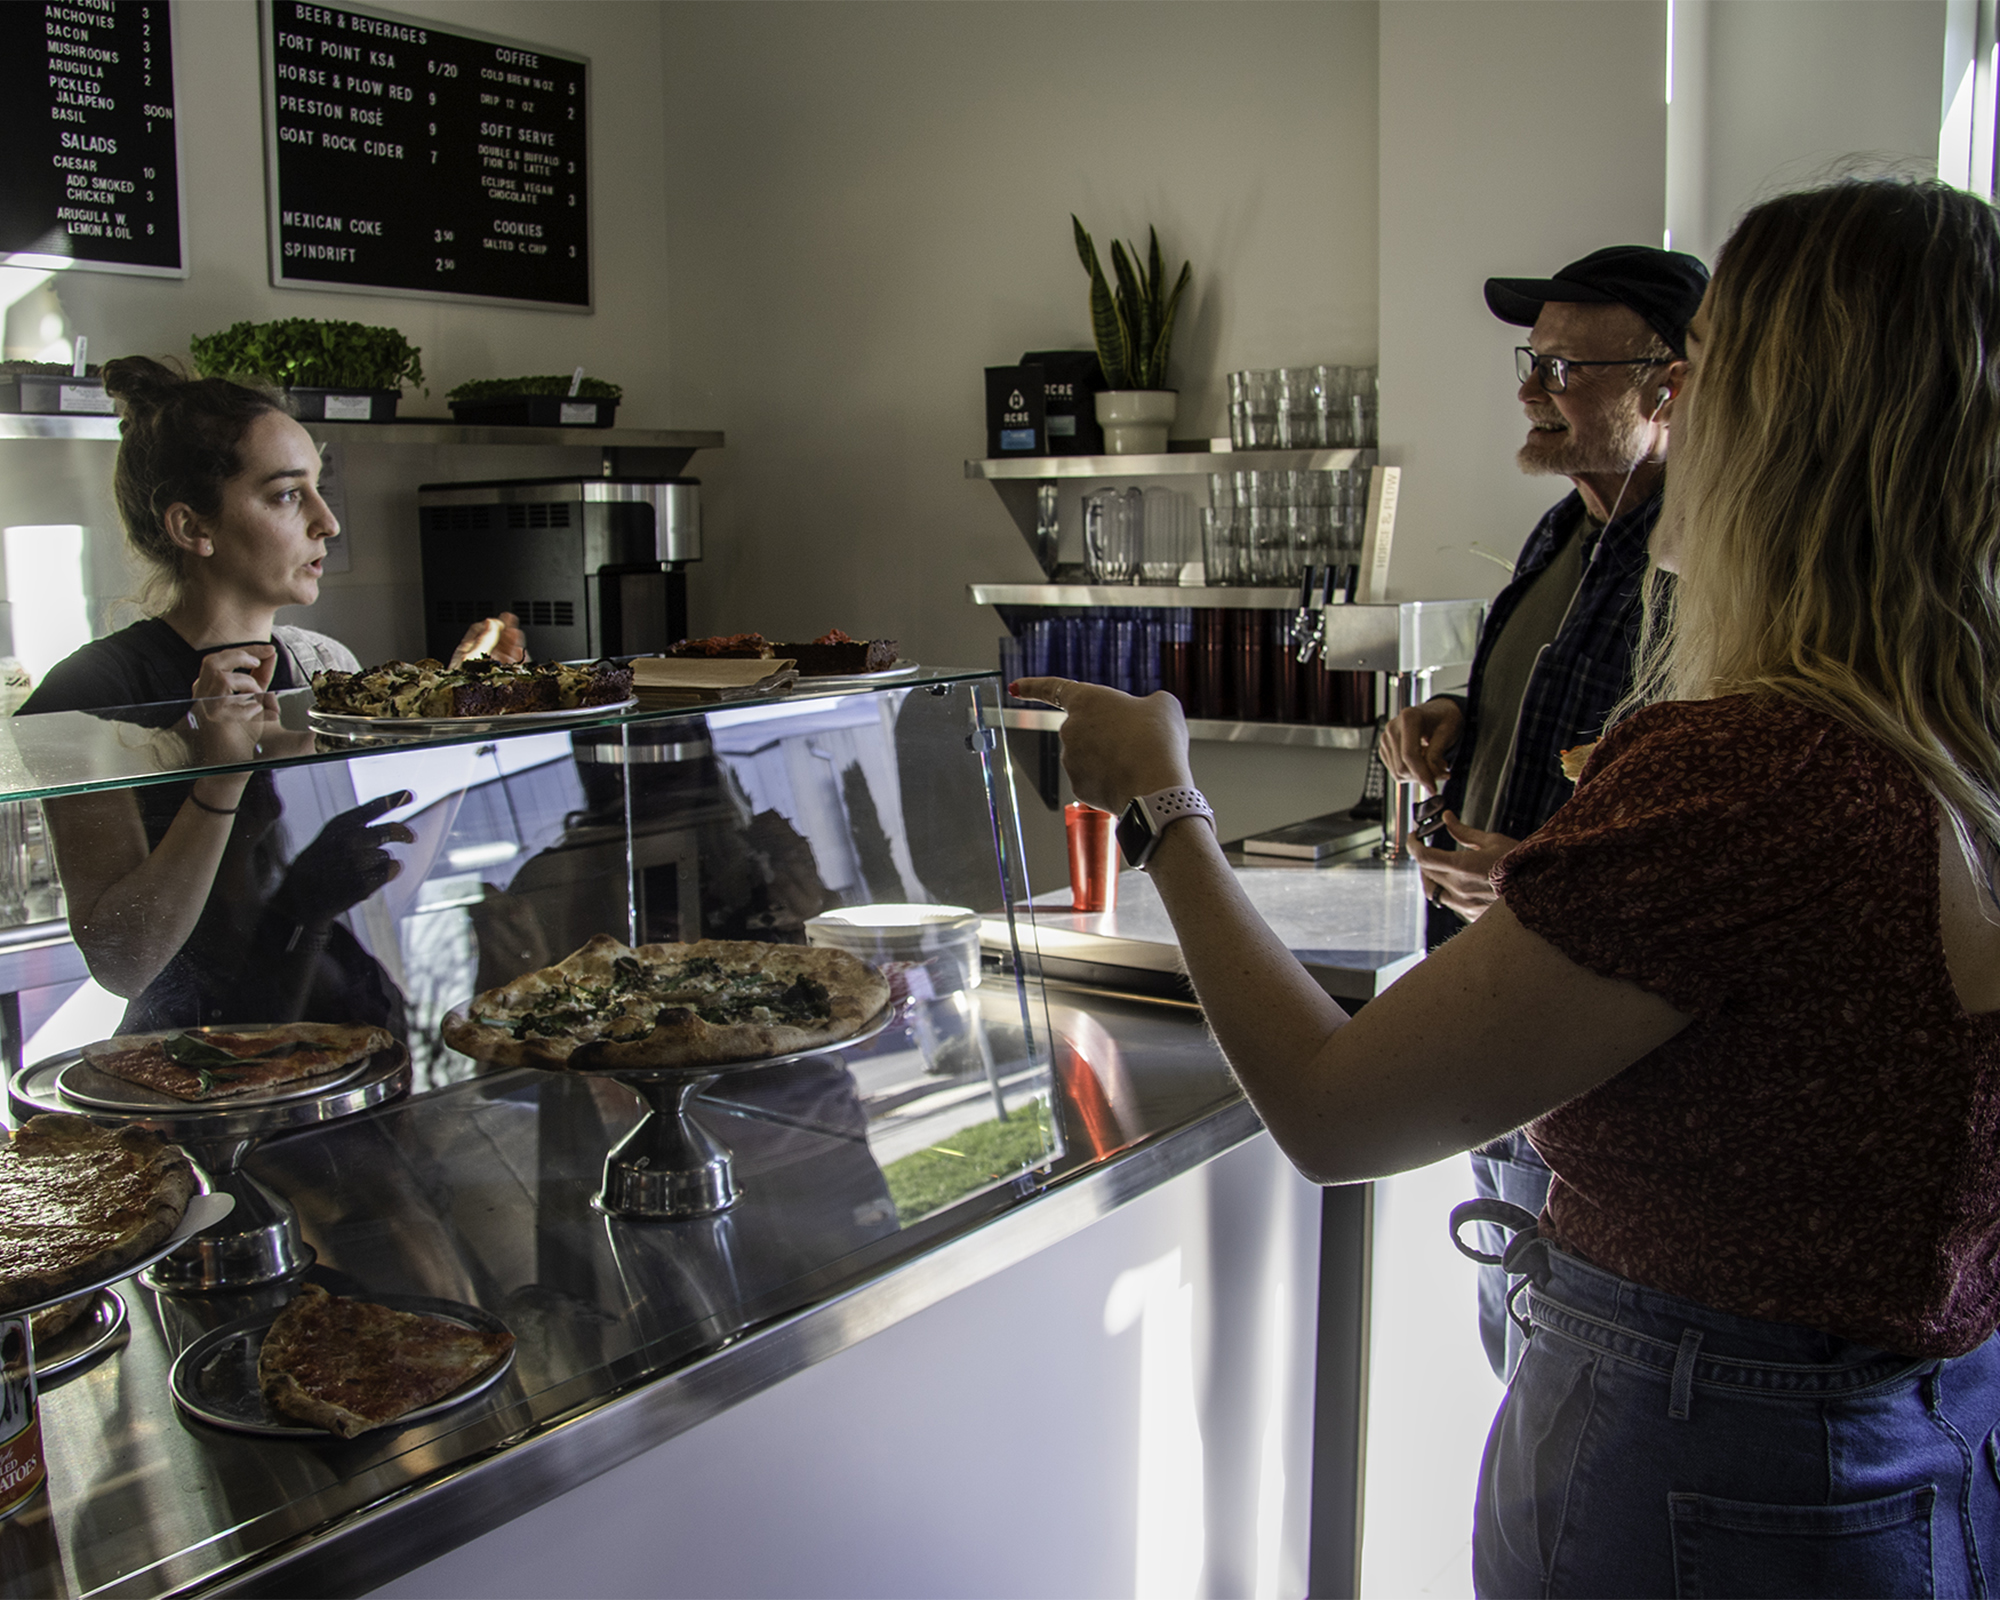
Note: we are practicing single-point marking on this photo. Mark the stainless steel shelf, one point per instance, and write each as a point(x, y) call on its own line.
point(418, 430)
point(1175, 463)
point(1131, 594)
point(1408, 636)
point(1219, 732)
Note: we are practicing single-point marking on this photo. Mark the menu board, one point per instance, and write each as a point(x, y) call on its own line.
point(408, 159)
point(91, 176)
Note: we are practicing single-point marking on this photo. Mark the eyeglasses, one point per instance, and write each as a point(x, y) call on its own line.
point(1554, 370)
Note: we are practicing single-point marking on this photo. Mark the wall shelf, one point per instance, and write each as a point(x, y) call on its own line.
point(1210, 729)
point(1175, 463)
point(1411, 636)
point(414, 430)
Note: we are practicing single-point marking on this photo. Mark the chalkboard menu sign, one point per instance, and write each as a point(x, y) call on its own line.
point(403, 158)
point(91, 174)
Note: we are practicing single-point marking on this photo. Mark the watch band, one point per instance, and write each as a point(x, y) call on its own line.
point(1170, 805)
point(1148, 816)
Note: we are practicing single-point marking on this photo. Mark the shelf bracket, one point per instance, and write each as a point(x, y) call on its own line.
point(1023, 498)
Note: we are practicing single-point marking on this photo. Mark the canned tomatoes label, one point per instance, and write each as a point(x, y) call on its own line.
point(22, 1470)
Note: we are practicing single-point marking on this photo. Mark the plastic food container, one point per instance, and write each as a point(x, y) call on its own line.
point(936, 948)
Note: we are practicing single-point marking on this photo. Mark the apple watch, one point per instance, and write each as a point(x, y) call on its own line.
point(1149, 816)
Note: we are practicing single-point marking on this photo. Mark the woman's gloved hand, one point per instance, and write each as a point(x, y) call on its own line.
point(344, 865)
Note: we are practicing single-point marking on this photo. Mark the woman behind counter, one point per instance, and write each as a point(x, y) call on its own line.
point(1744, 989)
point(178, 894)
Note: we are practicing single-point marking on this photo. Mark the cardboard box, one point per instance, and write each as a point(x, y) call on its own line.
point(1014, 412)
point(1071, 382)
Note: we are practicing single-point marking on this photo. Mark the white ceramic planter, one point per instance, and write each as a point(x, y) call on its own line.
point(1135, 421)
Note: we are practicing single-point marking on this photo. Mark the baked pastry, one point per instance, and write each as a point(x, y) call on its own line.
point(610, 1007)
point(480, 687)
point(832, 654)
point(350, 1365)
point(208, 1064)
point(79, 1202)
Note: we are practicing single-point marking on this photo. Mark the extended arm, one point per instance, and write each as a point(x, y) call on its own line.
point(131, 909)
point(1496, 1028)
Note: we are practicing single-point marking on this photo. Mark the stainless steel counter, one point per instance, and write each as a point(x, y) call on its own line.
point(629, 1333)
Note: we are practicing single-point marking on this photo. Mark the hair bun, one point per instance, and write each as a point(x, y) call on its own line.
point(140, 382)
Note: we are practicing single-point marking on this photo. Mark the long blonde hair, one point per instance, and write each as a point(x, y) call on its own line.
point(1834, 494)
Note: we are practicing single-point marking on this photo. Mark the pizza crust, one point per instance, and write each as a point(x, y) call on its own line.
point(79, 1202)
point(648, 1033)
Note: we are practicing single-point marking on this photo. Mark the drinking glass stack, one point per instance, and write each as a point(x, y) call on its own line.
point(1264, 528)
point(1303, 408)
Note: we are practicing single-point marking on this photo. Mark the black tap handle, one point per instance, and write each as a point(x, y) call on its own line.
point(1328, 583)
point(1306, 588)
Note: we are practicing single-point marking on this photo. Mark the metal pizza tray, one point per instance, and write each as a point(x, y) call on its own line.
point(868, 1030)
point(352, 726)
point(67, 1083)
point(205, 1210)
point(100, 1327)
point(215, 1378)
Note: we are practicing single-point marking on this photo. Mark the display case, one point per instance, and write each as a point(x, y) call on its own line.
point(878, 819)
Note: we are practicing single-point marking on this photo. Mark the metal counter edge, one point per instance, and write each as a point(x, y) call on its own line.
point(374, 1546)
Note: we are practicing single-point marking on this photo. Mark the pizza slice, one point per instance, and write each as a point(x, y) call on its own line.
point(79, 1202)
point(609, 1007)
point(350, 1365)
point(206, 1064)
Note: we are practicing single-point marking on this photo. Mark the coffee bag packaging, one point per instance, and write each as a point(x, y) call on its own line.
point(1015, 423)
point(1071, 380)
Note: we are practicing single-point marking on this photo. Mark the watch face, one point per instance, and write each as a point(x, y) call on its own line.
point(1135, 838)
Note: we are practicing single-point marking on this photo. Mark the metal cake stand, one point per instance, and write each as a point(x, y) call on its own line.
point(258, 1242)
point(670, 1166)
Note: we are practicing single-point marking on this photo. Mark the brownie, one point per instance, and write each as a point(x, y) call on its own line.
point(840, 660)
point(506, 697)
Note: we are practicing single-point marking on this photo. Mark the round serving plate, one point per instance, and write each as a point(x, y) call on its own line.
point(82, 1084)
point(716, 1069)
point(215, 1378)
point(101, 1326)
point(204, 1210)
point(861, 680)
point(365, 727)
point(67, 1083)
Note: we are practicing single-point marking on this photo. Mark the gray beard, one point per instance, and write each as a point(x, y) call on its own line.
point(1624, 450)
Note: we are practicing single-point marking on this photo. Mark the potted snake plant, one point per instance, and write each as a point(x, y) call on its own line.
point(1134, 328)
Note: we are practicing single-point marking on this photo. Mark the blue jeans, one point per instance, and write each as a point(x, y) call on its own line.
point(1651, 1446)
point(1507, 1169)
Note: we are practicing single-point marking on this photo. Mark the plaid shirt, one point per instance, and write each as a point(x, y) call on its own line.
point(1578, 677)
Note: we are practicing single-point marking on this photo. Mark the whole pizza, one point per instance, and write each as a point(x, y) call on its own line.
point(78, 1202)
point(610, 1007)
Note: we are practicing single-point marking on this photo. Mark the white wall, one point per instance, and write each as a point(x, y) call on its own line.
point(1516, 136)
point(871, 204)
point(375, 605)
point(1769, 97)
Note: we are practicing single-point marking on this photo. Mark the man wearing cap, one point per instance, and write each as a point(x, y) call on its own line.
point(1598, 376)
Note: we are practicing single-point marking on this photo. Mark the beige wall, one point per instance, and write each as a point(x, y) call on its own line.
point(871, 204)
point(374, 606)
point(1772, 96)
point(1517, 135)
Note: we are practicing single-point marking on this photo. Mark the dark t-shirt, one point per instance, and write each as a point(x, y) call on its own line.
point(214, 976)
point(145, 664)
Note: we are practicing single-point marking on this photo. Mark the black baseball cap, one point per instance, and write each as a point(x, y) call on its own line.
point(1663, 286)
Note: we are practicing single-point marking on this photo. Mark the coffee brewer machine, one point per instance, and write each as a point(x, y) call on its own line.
point(591, 566)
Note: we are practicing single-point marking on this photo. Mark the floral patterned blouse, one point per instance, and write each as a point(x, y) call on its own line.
point(1821, 1145)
